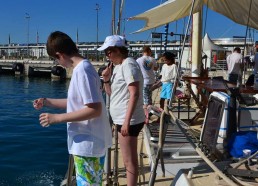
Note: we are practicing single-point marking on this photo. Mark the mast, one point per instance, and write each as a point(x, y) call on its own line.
point(196, 43)
point(121, 5)
point(113, 16)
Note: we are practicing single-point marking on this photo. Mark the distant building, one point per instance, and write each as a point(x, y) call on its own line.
point(88, 49)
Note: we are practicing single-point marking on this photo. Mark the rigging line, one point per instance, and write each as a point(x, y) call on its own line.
point(148, 37)
point(181, 53)
point(184, 25)
point(247, 26)
point(124, 21)
point(227, 30)
point(205, 22)
point(189, 54)
point(113, 16)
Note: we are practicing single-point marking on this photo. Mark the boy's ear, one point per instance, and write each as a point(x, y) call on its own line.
point(58, 55)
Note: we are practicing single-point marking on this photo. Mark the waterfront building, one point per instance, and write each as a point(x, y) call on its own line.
point(34, 58)
point(89, 49)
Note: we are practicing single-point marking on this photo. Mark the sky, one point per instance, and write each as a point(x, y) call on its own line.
point(68, 16)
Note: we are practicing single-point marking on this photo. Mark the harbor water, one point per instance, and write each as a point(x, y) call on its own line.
point(30, 155)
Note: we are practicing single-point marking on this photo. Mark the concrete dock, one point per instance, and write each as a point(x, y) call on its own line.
point(39, 68)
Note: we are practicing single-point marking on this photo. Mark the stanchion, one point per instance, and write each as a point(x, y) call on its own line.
point(107, 168)
point(115, 167)
point(164, 119)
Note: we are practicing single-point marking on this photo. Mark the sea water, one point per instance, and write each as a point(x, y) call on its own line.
point(30, 155)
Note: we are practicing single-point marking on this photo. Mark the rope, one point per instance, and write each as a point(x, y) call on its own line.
point(181, 54)
point(204, 29)
point(247, 26)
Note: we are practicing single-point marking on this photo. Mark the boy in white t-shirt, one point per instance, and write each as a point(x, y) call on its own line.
point(88, 128)
point(147, 65)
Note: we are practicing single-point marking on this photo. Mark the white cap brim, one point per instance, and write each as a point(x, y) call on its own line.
point(103, 47)
point(111, 41)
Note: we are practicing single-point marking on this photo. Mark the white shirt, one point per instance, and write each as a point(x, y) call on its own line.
point(92, 137)
point(234, 61)
point(168, 73)
point(147, 65)
point(124, 74)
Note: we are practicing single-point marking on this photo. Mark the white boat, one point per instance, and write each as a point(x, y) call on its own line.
point(210, 149)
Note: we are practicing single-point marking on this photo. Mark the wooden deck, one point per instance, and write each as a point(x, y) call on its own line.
point(143, 159)
point(144, 167)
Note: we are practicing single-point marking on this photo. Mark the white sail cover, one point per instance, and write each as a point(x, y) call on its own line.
point(243, 12)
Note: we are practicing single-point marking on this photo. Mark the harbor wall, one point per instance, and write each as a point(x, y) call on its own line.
point(38, 68)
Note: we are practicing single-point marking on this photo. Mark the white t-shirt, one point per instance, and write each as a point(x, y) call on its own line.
point(124, 74)
point(89, 138)
point(168, 73)
point(234, 61)
point(147, 64)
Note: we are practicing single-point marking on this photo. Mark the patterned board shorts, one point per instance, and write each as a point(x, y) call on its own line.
point(89, 170)
point(147, 95)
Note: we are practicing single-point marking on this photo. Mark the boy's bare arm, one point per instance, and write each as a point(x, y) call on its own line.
point(49, 102)
point(92, 110)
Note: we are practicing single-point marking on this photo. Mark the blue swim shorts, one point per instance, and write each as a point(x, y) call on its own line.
point(166, 90)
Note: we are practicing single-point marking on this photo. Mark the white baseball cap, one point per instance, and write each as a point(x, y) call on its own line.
point(111, 41)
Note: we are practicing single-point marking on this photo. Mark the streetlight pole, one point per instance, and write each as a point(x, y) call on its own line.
point(27, 16)
point(97, 9)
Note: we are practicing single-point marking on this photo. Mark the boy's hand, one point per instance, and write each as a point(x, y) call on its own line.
point(38, 103)
point(47, 119)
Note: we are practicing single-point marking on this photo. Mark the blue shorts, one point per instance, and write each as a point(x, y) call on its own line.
point(89, 170)
point(147, 95)
point(166, 90)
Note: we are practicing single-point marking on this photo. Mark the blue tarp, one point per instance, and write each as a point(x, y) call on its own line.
point(243, 140)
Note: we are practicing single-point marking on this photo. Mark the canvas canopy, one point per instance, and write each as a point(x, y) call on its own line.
point(240, 11)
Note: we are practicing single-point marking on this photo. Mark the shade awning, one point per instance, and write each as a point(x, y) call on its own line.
point(243, 12)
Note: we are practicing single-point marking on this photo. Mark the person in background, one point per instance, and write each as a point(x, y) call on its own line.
point(148, 65)
point(235, 65)
point(125, 89)
point(88, 128)
point(168, 77)
point(255, 62)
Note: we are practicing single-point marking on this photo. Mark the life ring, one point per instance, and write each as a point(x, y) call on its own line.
point(18, 67)
point(58, 71)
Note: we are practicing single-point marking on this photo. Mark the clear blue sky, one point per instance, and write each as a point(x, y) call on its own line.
point(69, 15)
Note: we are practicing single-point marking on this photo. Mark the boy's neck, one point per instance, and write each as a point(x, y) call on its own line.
point(169, 64)
point(76, 60)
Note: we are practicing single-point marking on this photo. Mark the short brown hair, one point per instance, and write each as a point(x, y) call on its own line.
point(237, 49)
point(146, 49)
point(60, 42)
